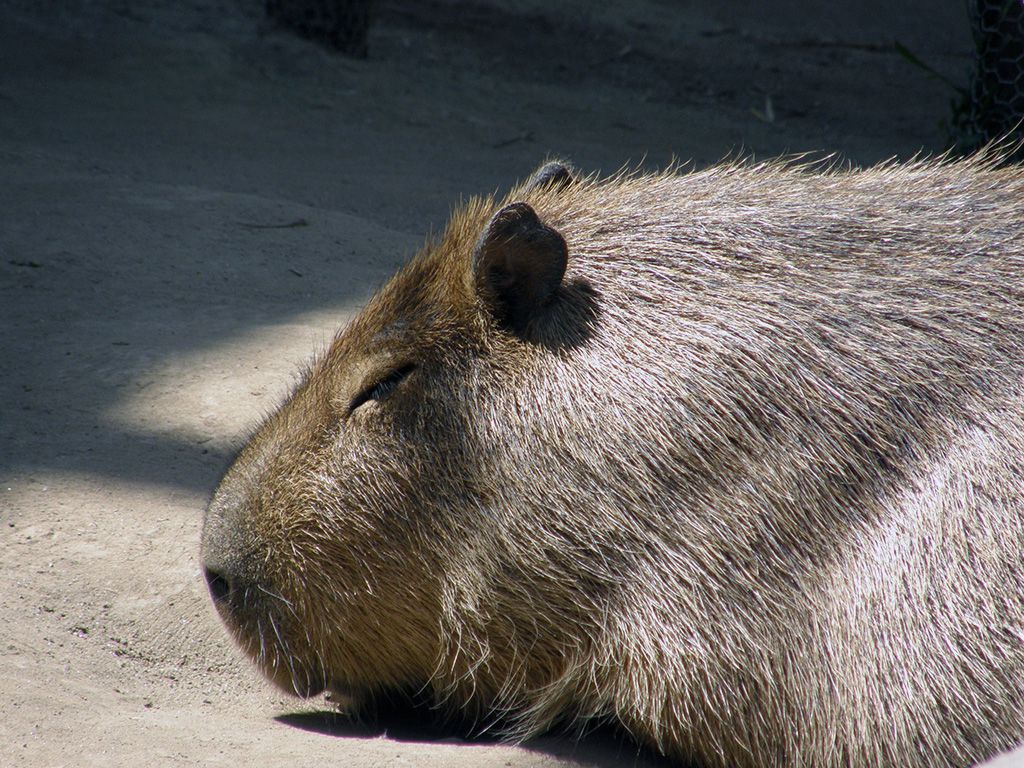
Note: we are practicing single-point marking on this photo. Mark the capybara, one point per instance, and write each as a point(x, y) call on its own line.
point(734, 458)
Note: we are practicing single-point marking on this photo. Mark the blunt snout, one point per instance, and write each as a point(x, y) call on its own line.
point(236, 598)
point(230, 576)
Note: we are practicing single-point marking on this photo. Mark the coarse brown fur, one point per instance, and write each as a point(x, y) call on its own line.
point(750, 480)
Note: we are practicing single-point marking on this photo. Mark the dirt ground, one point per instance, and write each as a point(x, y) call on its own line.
point(192, 203)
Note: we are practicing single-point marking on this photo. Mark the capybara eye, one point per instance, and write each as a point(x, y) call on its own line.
point(382, 387)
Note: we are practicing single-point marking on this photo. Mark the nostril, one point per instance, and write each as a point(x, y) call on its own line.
point(219, 584)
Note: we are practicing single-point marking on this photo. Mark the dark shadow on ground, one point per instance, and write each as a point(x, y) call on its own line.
point(601, 746)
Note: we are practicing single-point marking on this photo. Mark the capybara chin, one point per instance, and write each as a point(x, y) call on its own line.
point(732, 457)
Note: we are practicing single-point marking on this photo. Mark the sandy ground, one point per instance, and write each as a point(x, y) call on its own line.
point(191, 203)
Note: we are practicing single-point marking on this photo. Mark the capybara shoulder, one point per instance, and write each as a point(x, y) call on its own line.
point(733, 457)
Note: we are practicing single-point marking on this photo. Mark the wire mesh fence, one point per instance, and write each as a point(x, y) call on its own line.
point(994, 107)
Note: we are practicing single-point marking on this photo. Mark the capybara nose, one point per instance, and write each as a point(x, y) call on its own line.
point(220, 585)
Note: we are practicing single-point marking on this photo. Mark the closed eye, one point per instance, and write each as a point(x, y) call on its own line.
point(381, 388)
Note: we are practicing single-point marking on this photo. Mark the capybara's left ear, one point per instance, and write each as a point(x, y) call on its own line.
point(554, 174)
point(518, 265)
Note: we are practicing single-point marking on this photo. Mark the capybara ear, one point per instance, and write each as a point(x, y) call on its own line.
point(554, 174)
point(518, 265)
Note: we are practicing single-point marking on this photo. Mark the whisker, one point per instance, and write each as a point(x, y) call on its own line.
point(287, 655)
point(276, 596)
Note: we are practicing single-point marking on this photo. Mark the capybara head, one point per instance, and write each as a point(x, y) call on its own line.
point(733, 457)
